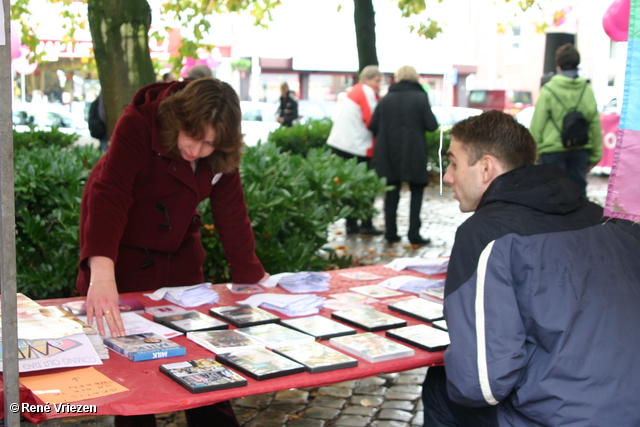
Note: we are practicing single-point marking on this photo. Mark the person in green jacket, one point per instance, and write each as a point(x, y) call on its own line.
point(560, 95)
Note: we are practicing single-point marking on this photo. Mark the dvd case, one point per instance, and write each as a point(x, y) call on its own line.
point(224, 341)
point(371, 347)
point(440, 324)
point(190, 321)
point(243, 315)
point(79, 308)
point(260, 363)
point(317, 357)
point(422, 336)
point(202, 375)
point(318, 326)
point(418, 308)
point(375, 291)
point(369, 319)
point(145, 346)
point(274, 335)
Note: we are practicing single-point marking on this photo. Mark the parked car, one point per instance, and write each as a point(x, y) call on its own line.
point(449, 116)
point(509, 101)
point(315, 110)
point(45, 116)
point(258, 121)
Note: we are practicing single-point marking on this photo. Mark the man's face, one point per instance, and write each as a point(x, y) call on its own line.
point(374, 83)
point(465, 180)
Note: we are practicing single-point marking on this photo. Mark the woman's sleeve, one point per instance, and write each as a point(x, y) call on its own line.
point(232, 222)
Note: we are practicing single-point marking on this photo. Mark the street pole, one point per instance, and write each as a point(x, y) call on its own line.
point(10, 375)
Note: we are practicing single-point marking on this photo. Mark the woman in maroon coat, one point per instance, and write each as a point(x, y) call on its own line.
point(175, 145)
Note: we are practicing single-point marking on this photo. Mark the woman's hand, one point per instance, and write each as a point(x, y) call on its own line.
point(102, 298)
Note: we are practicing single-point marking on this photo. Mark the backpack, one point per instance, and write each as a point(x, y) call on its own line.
point(97, 127)
point(575, 126)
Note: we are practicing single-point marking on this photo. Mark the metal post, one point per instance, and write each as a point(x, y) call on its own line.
point(10, 374)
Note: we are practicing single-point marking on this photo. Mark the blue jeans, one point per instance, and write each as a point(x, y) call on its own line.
point(575, 162)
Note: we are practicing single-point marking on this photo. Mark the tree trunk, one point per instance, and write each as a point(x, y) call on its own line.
point(120, 33)
point(365, 20)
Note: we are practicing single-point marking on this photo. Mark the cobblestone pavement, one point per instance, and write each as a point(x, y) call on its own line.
point(387, 400)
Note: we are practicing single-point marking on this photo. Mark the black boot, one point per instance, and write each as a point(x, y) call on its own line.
point(415, 238)
point(391, 200)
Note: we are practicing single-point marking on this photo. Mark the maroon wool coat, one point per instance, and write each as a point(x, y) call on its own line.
point(139, 208)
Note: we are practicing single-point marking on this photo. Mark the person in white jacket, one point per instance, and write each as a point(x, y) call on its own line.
point(350, 135)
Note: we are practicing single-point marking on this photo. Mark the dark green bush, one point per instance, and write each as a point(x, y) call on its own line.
point(40, 138)
point(292, 200)
point(48, 188)
point(433, 141)
point(301, 138)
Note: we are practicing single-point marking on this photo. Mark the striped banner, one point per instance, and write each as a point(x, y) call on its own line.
point(623, 196)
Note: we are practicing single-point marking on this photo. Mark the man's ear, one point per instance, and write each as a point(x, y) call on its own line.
point(490, 168)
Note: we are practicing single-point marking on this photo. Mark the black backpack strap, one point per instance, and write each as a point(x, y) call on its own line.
point(580, 98)
point(560, 102)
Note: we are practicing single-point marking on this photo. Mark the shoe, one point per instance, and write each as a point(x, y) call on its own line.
point(371, 231)
point(392, 239)
point(420, 241)
point(353, 229)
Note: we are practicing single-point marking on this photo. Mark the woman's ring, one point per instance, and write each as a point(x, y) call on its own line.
point(107, 312)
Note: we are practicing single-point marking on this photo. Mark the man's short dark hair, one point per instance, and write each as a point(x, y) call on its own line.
point(567, 57)
point(497, 134)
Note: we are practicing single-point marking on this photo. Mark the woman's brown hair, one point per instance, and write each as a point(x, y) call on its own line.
point(203, 102)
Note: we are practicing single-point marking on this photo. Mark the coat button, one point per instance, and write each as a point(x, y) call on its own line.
point(175, 168)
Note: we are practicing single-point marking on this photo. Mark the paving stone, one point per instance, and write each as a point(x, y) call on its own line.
point(419, 405)
point(306, 422)
point(393, 377)
point(418, 419)
point(254, 423)
point(244, 414)
point(321, 413)
point(329, 402)
point(367, 411)
point(372, 381)
point(400, 395)
point(287, 408)
point(398, 404)
point(389, 423)
point(374, 390)
point(407, 388)
point(366, 400)
point(292, 396)
point(353, 421)
point(254, 401)
point(395, 415)
point(410, 379)
point(271, 417)
point(342, 392)
point(417, 371)
point(347, 384)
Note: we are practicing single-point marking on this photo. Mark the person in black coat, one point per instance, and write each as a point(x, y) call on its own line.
point(400, 155)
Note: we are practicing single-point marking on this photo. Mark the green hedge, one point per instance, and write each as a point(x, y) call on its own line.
point(300, 138)
point(292, 200)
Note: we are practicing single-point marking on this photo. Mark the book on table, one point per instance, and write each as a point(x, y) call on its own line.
point(202, 375)
point(146, 346)
point(317, 357)
point(318, 326)
point(369, 319)
point(244, 315)
point(274, 335)
point(260, 363)
point(371, 347)
point(79, 308)
point(418, 308)
point(223, 341)
point(375, 291)
point(190, 321)
point(433, 294)
point(421, 336)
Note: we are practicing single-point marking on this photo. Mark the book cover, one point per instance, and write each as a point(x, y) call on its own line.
point(202, 375)
point(419, 308)
point(369, 319)
point(243, 315)
point(191, 321)
point(223, 341)
point(318, 326)
point(375, 291)
point(79, 308)
point(164, 310)
point(422, 336)
point(440, 324)
point(274, 335)
point(260, 363)
point(145, 346)
point(433, 294)
point(317, 357)
point(371, 347)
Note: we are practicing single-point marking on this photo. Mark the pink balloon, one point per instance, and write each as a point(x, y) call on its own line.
point(15, 40)
point(616, 20)
point(21, 64)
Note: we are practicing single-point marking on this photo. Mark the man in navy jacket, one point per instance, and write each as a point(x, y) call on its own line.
point(492, 174)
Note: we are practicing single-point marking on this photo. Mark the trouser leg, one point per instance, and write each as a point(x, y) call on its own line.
point(219, 415)
point(391, 200)
point(135, 420)
point(417, 191)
